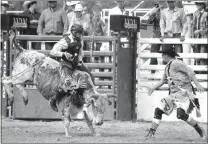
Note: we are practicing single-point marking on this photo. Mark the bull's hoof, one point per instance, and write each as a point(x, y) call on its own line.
point(25, 100)
point(68, 136)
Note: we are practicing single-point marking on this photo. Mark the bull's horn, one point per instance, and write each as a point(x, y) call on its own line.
point(112, 96)
point(95, 96)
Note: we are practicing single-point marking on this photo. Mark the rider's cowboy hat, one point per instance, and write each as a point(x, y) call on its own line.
point(5, 3)
point(169, 50)
point(72, 3)
point(78, 7)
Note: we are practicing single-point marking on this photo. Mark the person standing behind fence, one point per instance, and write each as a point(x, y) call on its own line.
point(200, 29)
point(4, 7)
point(98, 28)
point(173, 24)
point(34, 16)
point(79, 18)
point(154, 18)
point(24, 6)
point(55, 21)
point(119, 9)
point(70, 11)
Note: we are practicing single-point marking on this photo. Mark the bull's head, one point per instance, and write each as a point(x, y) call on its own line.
point(99, 103)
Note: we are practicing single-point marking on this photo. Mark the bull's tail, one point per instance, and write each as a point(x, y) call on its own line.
point(12, 36)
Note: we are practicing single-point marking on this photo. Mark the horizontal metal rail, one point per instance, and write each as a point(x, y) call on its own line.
point(102, 74)
point(97, 83)
point(182, 55)
point(173, 41)
point(149, 84)
point(57, 38)
point(199, 77)
point(162, 67)
point(99, 65)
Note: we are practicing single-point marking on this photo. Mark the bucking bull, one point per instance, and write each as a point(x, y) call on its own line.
point(44, 72)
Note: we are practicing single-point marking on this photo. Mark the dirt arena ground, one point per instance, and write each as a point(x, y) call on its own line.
point(21, 131)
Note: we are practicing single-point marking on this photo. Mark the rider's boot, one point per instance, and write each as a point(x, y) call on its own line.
point(52, 102)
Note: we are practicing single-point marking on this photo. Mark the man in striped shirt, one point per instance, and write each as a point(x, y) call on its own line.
point(154, 18)
point(200, 29)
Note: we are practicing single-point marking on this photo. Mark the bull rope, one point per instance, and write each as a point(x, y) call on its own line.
point(10, 77)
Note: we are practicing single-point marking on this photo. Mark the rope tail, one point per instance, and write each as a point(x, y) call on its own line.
point(12, 34)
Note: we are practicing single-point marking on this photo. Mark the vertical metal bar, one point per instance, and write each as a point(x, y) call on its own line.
point(118, 44)
point(114, 72)
point(110, 58)
point(5, 72)
point(138, 70)
point(11, 55)
point(29, 45)
point(134, 47)
point(92, 49)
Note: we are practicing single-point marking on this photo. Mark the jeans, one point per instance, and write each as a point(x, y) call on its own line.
point(49, 45)
point(178, 47)
point(154, 48)
point(102, 58)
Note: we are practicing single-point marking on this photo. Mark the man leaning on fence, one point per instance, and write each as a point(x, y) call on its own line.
point(53, 20)
point(154, 18)
point(173, 24)
point(200, 29)
point(34, 16)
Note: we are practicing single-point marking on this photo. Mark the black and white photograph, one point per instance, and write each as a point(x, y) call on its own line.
point(104, 71)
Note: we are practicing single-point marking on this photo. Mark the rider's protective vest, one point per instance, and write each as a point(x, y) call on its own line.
point(73, 48)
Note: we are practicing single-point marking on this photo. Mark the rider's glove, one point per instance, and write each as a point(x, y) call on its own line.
point(67, 55)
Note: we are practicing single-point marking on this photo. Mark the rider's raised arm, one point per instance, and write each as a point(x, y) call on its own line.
point(58, 47)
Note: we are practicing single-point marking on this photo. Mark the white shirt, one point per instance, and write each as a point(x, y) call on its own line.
point(117, 11)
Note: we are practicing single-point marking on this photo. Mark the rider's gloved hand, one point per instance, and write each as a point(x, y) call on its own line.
point(67, 55)
point(79, 64)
